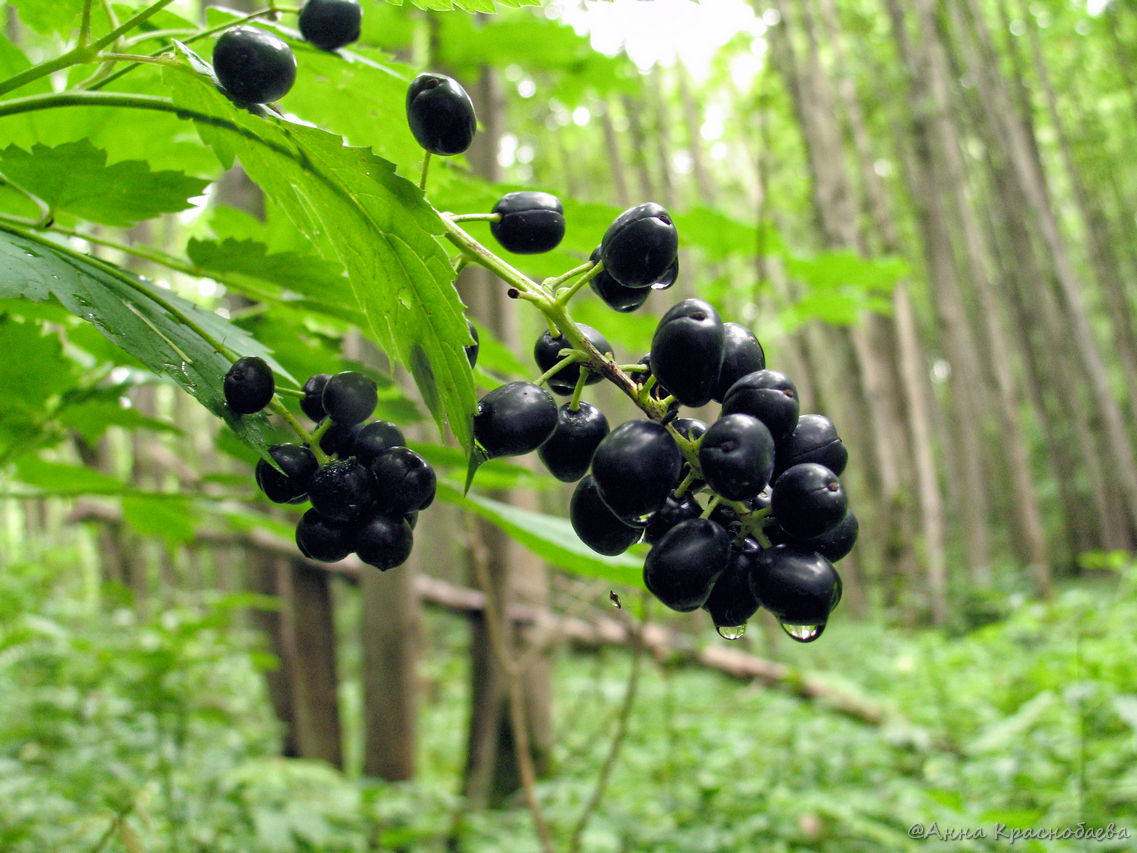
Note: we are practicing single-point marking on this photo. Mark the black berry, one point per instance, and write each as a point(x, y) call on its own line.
point(813, 439)
point(683, 566)
point(568, 451)
point(531, 222)
point(808, 500)
point(330, 24)
point(687, 351)
point(320, 538)
point(514, 419)
point(615, 295)
point(252, 65)
point(741, 354)
point(289, 482)
point(596, 525)
point(769, 396)
point(384, 542)
point(736, 456)
point(640, 245)
point(472, 349)
point(350, 397)
point(341, 489)
point(732, 601)
point(636, 467)
point(404, 481)
point(248, 385)
point(440, 114)
point(312, 403)
point(374, 439)
point(799, 587)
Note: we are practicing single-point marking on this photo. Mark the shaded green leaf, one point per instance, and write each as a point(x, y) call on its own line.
point(551, 538)
point(75, 178)
point(168, 334)
point(354, 207)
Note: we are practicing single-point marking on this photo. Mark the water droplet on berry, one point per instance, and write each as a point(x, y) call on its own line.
point(803, 633)
point(731, 632)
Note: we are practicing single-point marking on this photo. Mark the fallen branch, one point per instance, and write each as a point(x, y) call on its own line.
point(665, 644)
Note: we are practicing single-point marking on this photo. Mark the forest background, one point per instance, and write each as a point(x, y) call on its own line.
point(924, 210)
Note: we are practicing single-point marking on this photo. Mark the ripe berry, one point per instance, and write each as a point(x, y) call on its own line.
point(248, 385)
point(253, 66)
point(404, 481)
point(690, 428)
point(673, 511)
point(350, 397)
point(289, 484)
point(384, 542)
point(615, 295)
point(798, 587)
point(684, 565)
point(833, 545)
point(546, 352)
point(320, 538)
point(312, 403)
point(375, 438)
point(741, 354)
point(514, 419)
point(341, 489)
point(687, 351)
point(769, 396)
point(736, 456)
point(330, 24)
point(808, 500)
point(596, 525)
point(568, 451)
point(339, 439)
point(636, 467)
point(814, 439)
point(440, 114)
point(531, 222)
point(732, 601)
point(640, 245)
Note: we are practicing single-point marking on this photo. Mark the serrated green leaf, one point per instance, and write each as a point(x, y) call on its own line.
point(48, 477)
point(75, 178)
point(354, 207)
point(168, 334)
point(551, 538)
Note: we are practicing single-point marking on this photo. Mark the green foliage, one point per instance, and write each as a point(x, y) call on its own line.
point(1027, 723)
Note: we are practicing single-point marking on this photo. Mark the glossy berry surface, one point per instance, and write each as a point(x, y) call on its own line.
point(636, 467)
point(833, 545)
point(248, 385)
point(769, 396)
point(349, 397)
point(546, 352)
point(330, 24)
point(320, 538)
point(673, 511)
point(404, 481)
point(341, 489)
point(741, 354)
point(736, 456)
point(339, 439)
point(514, 419)
point(732, 601)
point(253, 66)
point(384, 542)
point(312, 403)
point(615, 295)
point(683, 566)
point(813, 439)
point(288, 483)
point(531, 222)
point(798, 587)
point(568, 451)
point(640, 245)
point(375, 438)
point(440, 114)
point(597, 526)
point(687, 351)
point(808, 500)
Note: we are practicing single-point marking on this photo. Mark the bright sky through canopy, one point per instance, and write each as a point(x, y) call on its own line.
point(661, 31)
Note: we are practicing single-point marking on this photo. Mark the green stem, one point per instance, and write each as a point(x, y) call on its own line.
point(85, 24)
point(581, 381)
point(682, 488)
point(554, 283)
point(568, 293)
point(425, 170)
point(475, 217)
point(482, 256)
point(81, 53)
point(558, 367)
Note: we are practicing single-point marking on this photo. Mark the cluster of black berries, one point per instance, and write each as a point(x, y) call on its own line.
point(255, 66)
point(741, 513)
point(366, 488)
